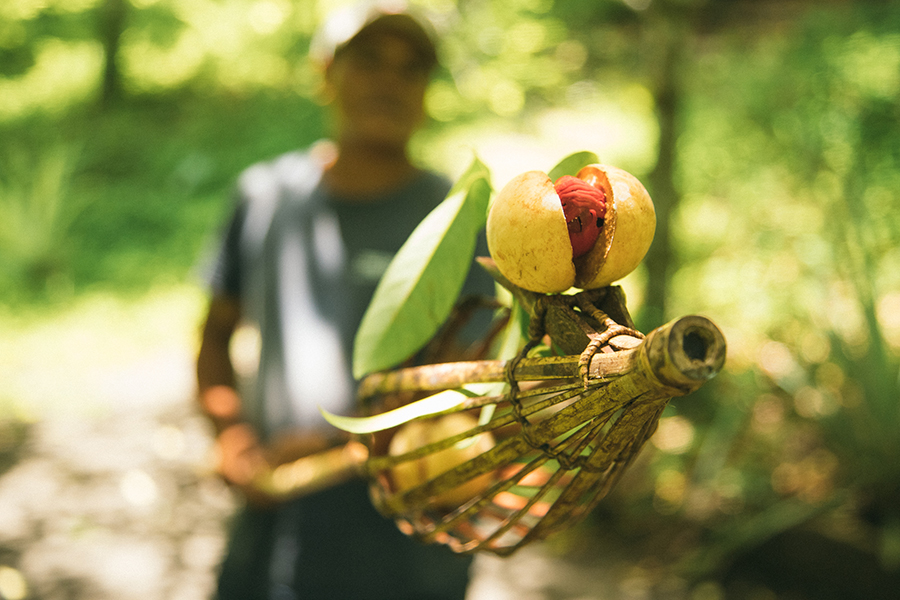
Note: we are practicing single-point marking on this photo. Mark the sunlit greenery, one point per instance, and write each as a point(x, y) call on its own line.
point(123, 124)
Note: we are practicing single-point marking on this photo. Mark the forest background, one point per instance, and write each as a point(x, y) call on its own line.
point(768, 133)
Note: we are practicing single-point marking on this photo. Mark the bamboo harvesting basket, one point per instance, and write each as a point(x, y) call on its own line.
point(564, 428)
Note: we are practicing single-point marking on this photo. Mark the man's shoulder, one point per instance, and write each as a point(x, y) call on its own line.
point(294, 173)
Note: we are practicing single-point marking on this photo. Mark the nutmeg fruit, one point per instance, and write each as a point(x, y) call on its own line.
point(585, 232)
point(416, 434)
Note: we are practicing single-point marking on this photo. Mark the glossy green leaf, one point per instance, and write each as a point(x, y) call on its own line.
point(571, 164)
point(421, 408)
point(515, 334)
point(421, 285)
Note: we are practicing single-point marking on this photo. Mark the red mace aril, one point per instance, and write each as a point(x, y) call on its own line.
point(584, 207)
point(586, 231)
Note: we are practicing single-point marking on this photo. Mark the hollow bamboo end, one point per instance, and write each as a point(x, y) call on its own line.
point(686, 352)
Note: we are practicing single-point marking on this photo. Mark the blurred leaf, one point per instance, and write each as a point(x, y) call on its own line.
point(571, 164)
point(751, 531)
point(420, 287)
point(36, 214)
point(421, 408)
point(516, 333)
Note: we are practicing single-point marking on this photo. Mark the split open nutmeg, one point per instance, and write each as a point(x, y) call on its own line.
point(585, 231)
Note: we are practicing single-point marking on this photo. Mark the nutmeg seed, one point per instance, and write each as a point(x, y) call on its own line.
point(585, 208)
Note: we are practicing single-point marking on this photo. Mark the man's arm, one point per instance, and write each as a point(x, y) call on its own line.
point(219, 399)
point(242, 459)
point(240, 455)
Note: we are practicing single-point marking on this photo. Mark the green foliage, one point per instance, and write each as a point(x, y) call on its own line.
point(797, 169)
point(36, 217)
point(141, 191)
point(420, 287)
point(784, 237)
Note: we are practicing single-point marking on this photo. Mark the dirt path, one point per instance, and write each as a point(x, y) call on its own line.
point(123, 506)
point(116, 507)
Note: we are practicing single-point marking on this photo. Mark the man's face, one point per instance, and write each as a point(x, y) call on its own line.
point(377, 85)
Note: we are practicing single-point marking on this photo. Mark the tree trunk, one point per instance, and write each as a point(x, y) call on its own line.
point(113, 15)
point(672, 33)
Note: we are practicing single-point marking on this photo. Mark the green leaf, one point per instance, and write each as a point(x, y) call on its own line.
point(477, 170)
point(421, 285)
point(571, 164)
point(515, 334)
point(421, 408)
point(514, 338)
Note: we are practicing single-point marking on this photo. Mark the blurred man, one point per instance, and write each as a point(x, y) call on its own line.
point(312, 233)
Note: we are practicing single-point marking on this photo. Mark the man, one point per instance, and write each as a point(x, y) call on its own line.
point(311, 235)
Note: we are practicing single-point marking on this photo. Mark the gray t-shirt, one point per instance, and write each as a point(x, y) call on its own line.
point(305, 263)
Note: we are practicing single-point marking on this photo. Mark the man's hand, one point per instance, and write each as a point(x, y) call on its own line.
point(293, 465)
point(241, 461)
point(289, 446)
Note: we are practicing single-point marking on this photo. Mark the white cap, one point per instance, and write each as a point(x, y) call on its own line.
point(393, 16)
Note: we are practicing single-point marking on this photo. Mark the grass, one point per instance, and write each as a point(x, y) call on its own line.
point(131, 198)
